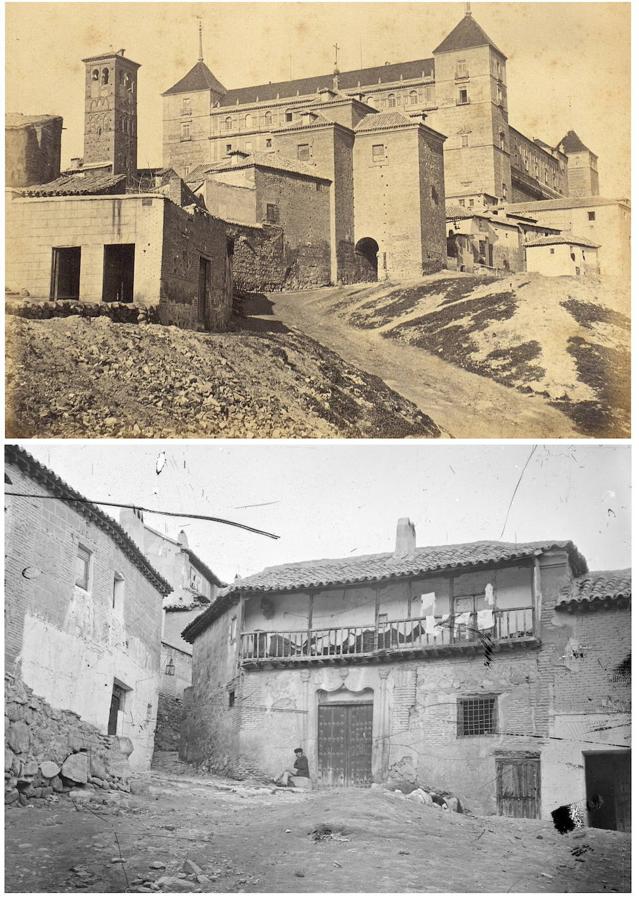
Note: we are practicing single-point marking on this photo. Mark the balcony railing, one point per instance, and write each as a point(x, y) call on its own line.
point(395, 637)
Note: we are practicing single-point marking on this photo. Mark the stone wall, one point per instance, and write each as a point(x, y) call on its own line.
point(188, 237)
point(71, 645)
point(169, 723)
point(51, 750)
point(32, 151)
point(258, 257)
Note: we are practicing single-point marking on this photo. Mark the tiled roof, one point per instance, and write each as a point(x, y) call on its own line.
point(264, 160)
point(199, 78)
point(52, 484)
point(80, 183)
point(534, 206)
point(464, 35)
point(572, 143)
point(324, 573)
point(347, 81)
point(564, 238)
point(383, 120)
point(18, 120)
point(589, 589)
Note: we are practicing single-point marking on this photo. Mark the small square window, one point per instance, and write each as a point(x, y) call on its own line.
point(229, 147)
point(289, 116)
point(83, 568)
point(476, 715)
point(552, 251)
point(272, 213)
point(471, 202)
point(379, 151)
point(463, 96)
point(591, 215)
point(269, 143)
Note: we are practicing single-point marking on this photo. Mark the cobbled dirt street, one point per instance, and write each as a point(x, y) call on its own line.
point(192, 834)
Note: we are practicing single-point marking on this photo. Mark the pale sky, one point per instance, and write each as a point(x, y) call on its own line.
point(568, 63)
point(338, 500)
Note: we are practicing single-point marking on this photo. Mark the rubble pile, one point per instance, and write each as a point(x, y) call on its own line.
point(78, 377)
point(28, 308)
point(427, 796)
point(50, 751)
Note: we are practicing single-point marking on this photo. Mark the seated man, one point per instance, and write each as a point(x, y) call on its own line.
point(300, 766)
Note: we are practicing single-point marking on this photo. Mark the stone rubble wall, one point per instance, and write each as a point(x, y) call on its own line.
point(169, 723)
point(28, 308)
point(49, 750)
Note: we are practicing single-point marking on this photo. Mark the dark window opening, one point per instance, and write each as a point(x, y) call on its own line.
point(272, 213)
point(591, 216)
point(95, 75)
point(231, 699)
point(463, 96)
point(65, 273)
point(119, 266)
point(105, 76)
point(434, 195)
point(476, 715)
point(289, 116)
point(367, 249)
point(621, 674)
point(82, 568)
point(269, 143)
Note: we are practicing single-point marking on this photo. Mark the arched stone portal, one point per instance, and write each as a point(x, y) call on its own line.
point(367, 249)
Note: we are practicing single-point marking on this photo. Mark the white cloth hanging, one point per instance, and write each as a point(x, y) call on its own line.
point(489, 594)
point(485, 619)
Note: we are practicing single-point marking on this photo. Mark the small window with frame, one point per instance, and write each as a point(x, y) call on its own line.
point(379, 152)
point(233, 630)
point(272, 213)
point(476, 715)
point(83, 568)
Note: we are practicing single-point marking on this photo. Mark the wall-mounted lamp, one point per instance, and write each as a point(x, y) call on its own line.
point(170, 667)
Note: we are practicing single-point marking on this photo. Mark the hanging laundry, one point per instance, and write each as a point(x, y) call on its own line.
point(428, 625)
point(489, 594)
point(485, 619)
point(463, 619)
point(428, 604)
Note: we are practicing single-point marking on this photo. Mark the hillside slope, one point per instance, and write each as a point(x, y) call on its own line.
point(565, 339)
point(73, 377)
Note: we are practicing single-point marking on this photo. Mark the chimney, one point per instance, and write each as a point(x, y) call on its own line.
point(132, 520)
point(405, 540)
point(182, 539)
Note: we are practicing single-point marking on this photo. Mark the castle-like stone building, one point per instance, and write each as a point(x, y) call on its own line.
point(377, 134)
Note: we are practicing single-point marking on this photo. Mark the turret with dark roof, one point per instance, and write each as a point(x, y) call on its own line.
point(199, 78)
point(572, 143)
point(466, 34)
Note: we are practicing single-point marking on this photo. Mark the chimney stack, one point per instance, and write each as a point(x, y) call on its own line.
point(405, 541)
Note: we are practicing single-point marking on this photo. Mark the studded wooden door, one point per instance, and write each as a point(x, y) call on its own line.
point(518, 787)
point(345, 744)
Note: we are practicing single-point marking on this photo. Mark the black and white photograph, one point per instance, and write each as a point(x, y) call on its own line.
point(224, 678)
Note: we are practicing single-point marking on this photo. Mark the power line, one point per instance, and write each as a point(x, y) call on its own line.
point(157, 512)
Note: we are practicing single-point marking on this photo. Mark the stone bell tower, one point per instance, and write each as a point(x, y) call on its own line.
point(110, 112)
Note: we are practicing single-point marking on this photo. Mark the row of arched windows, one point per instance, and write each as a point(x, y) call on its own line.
point(125, 78)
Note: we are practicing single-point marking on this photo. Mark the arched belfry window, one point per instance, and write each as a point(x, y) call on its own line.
point(95, 75)
point(105, 76)
point(228, 123)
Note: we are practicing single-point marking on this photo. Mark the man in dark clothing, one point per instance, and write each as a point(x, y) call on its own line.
point(300, 766)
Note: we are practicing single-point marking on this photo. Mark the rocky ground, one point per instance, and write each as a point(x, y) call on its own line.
point(566, 340)
point(77, 377)
point(176, 833)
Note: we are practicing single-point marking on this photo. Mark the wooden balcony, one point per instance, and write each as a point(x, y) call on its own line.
point(397, 639)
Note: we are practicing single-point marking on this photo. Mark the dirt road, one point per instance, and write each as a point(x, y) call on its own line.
point(247, 839)
point(463, 404)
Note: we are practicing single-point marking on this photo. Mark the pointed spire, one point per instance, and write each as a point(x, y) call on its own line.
point(468, 12)
point(201, 56)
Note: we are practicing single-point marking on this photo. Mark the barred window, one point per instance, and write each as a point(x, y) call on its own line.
point(272, 213)
point(476, 715)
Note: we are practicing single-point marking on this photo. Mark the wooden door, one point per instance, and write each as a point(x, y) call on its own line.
point(345, 744)
point(518, 787)
point(608, 775)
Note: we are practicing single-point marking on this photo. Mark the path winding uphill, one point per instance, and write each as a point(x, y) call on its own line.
point(210, 835)
point(461, 348)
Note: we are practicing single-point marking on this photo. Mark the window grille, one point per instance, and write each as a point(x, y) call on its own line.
point(476, 715)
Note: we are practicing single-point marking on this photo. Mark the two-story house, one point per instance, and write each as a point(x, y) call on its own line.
point(83, 608)
point(435, 664)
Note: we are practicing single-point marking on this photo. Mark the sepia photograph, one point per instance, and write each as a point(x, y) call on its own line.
point(217, 681)
point(317, 220)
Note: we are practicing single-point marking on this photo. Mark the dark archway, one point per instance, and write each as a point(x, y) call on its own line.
point(366, 250)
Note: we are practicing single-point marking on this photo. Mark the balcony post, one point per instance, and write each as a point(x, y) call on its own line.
point(240, 630)
point(309, 635)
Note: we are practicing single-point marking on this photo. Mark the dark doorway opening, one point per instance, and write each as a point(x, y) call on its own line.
point(608, 775)
point(518, 786)
point(117, 702)
point(119, 267)
point(203, 289)
point(345, 744)
point(367, 250)
point(65, 273)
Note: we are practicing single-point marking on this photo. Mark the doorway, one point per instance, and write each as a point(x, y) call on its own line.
point(366, 251)
point(518, 786)
point(119, 266)
point(65, 273)
point(608, 774)
point(345, 744)
point(117, 703)
point(203, 291)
